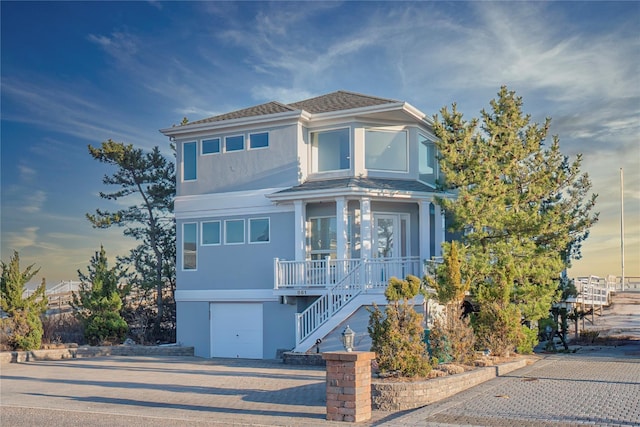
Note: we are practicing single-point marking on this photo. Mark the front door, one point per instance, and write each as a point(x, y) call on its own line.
point(391, 236)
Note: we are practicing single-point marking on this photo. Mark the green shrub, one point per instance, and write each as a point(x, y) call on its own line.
point(452, 338)
point(397, 335)
point(528, 341)
point(498, 328)
point(105, 328)
point(22, 329)
point(25, 331)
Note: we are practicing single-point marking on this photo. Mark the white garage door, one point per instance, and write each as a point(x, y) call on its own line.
point(236, 330)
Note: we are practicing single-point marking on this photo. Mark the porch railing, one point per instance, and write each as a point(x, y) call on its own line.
point(344, 280)
point(325, 273)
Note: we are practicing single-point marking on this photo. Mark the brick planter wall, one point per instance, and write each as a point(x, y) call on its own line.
point(400, 396)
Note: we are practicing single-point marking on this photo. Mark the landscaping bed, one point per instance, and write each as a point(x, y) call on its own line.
point(398, 394)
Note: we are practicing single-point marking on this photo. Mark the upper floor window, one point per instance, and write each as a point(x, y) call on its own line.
point(211, 233)
point(211, 146)
point(259, 140)
point(428, 163)
point(189, 246)
point(330, 150)
point(386, 150)
point(234, 231)
point(259, 230)
point(234, 143)
point(189, 161)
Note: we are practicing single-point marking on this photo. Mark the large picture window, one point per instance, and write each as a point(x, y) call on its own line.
point(189, 161)
point(428, 162)
point(189, 246)
point(330, 150)
point(259, 230)
point(234, 232)
point(386, 150)
point(211, 233)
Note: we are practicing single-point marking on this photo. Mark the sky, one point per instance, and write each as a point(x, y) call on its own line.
point(75, 74)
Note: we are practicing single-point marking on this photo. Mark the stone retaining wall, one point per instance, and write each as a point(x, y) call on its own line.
point(86, 351)
point(399, 396)
point(308, 359)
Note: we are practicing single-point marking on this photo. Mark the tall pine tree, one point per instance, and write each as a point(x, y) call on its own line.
point(148, 179)
point(522, 206)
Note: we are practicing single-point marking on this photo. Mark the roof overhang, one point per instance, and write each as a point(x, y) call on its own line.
point(187, 130)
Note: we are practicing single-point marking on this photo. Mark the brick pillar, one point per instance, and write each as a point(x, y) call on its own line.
point(348, 385)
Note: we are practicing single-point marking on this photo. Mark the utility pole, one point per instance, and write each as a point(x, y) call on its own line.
point(622, 224)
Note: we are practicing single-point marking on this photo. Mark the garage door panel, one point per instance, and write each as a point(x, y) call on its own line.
point(236, 330)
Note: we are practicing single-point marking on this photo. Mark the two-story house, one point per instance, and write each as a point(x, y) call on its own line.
point(292, 216)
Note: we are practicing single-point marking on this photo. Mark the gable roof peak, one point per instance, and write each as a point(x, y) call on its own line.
point(339, 100)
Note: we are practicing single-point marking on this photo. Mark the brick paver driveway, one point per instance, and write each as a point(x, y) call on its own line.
point(592, 387)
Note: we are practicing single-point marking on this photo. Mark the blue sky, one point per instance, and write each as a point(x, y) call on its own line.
point(78, 73)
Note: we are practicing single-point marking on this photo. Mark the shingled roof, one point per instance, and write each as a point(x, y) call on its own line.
point(359, 183)
point(335, 101)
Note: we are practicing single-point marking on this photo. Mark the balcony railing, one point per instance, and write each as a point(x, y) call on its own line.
point(324, 274)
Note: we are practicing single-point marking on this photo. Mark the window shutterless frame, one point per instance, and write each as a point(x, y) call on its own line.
point(259, 230)
point(210, 146)
point(189, 246)
point(189, 161)
point(233, 143)
point(211, 233)
point(234, 232)
point(258, 140)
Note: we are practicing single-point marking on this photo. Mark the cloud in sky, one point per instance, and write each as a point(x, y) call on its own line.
point(124, 70)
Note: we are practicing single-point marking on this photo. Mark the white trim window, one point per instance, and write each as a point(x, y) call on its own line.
point(428, 162)
point(210, 233)
point(234, 231)
point(331, 150)
point(189, 246)
point(258, 140)
point(386, 150)
point(259, 230)
point(233, 143)
point(210, 146)
point(189, 161)
point(322, 237)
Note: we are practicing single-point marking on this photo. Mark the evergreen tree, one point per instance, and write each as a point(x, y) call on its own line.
point(523, 208)
point(149, 178)
point(451, 337)
point(397, 336)
point(98, 301)
point(23, 323)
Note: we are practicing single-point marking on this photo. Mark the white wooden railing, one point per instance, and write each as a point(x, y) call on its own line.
point(593, 291)
point(344, 280)
point(325, 273)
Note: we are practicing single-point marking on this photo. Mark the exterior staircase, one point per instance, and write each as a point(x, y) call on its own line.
point(353, 283)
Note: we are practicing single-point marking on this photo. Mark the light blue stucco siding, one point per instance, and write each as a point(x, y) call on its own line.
point(225, 269)
point(238, 266)
point(274, 166)
point(192, 320)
